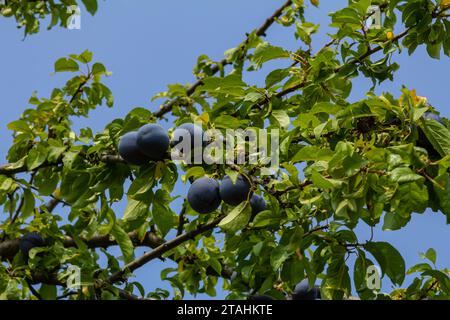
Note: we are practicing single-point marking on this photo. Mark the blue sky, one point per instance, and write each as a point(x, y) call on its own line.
point(149, 44)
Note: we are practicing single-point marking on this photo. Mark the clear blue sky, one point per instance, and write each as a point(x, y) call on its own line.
point(149, 44)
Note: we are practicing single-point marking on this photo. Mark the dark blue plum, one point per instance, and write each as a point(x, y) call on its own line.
point(302, 291)
point(30, 241)
point(258, 204)
point(433, 116)
point(194, 131)
point(153, 141)
point(129, 150)
point(234, 194)
point(193, 134)
point(203, 195)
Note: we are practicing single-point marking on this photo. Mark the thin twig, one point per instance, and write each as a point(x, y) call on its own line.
point(33, 290)
point(163, 248)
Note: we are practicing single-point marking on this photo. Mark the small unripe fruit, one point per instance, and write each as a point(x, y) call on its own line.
point(129, 150)
point(203, 195)
point(153, 141)
point(235, 193)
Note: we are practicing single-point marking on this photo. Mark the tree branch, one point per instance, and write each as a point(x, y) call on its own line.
point(33, 290)
point(52, 204)
point(302, 84)
point(160, 250)
point(9, 248)
point(181, 220)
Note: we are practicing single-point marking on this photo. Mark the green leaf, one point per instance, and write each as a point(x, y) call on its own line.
point(84, 57)
point(389, 259)
point(73, 186)
point(347, 15)
point(266, 218)
point(434, 50)
point(7, 184)
point(91, 6)
point(438, 135)
point(163, 217)
point(313, 153)
point(430, 255)
point(215, 264)
point(304, 31)
point(442, 191)
point(276, 76)
point(278, 256)
point(143, 183)
point(360, 274)
point(410, 197)
point(444, 280)
point(253, 96)
point(55, 150)
point(238, 218)
point(393, 221)
point(19, 126)
point(28, 203)
point(420, 267)
point(282, 118)
point(124, 242)
point(321, 182)
point(66, 64)
point(193, 172)
point(98, 69)
point(48, 292)
point(265, 52)
point(405, 174)
point(325, 107)
point(227, 122)
point(230, 85)
point(337, 282)
point(135, 210)
point(36, 157)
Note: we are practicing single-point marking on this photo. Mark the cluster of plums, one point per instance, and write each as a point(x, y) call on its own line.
point(206, 194)
point(151, 142)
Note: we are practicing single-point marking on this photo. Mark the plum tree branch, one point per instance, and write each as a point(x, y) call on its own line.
point(33, 290)
point(302, 84)
point(261, 31)
point(9, 248)
point(161, 249)
point(181, 220)
point(11, 168)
